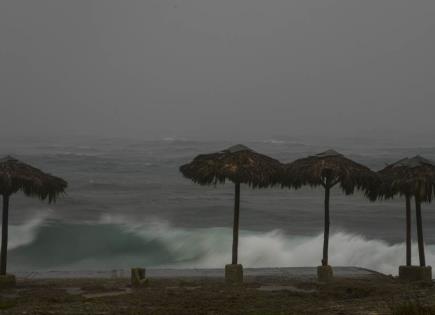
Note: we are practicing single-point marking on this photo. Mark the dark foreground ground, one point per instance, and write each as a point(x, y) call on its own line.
point(261, 294)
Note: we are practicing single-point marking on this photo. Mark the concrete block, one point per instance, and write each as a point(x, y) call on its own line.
point(234, 274)
point(415, 273)
point(325, 273)
point(138, 277)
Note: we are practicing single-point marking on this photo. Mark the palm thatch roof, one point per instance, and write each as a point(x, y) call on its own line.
point(16, 176)
point(328, 169)
point(238, 164)
point(409, 177)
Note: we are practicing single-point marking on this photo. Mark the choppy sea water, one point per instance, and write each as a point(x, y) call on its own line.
point(128, 205)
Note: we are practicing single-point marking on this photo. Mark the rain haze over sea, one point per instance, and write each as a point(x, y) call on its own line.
point(115, 95)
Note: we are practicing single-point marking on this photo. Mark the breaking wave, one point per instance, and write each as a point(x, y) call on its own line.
point(113, 242)
point(20, 235)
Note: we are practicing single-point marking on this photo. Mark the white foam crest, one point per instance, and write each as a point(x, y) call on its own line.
point(274, 141)
point(147, 225)
point(211, 247)
point(173, 139)
point(76, 154)
point(25, 233)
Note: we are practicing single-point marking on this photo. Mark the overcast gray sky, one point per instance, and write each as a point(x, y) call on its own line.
point(217, 68)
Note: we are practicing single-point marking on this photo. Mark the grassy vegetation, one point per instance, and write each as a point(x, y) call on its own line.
point(412, 307)
point(7, 303)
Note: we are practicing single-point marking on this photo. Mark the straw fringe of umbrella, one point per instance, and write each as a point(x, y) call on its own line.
point(328, 169)
point(16, 176)
point(409, 177)
point(238, 164)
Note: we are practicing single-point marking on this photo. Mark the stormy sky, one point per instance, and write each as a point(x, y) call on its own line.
point(217, 69)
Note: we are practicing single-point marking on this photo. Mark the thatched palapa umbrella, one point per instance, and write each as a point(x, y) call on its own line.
point(17, 176)
point(238, 164)
point(328, 169)
point(411, 178)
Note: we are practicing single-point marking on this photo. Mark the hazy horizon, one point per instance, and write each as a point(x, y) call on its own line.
point(239, 70)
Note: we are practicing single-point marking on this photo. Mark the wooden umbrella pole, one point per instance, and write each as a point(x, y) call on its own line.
point(326, 228)
point(236, 223)
point(420, 232)
point(4, 244)
point(408, 230)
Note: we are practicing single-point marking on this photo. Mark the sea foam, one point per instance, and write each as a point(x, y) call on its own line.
point(114, 242)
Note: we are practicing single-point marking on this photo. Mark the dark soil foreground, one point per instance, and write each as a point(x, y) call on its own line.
point(375, 295)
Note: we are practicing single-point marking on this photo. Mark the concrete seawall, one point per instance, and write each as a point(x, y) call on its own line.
point(297, 273)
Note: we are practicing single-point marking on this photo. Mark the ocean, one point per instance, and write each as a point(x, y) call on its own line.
point(128, 205)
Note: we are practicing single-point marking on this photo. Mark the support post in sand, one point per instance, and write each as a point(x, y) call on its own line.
point(422, 272)
point(138, 277)
point(412, 178)
point(234, 272)
point(327, 170)
point(240, 165)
